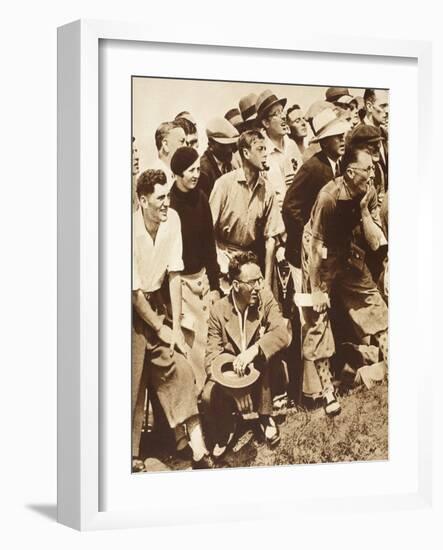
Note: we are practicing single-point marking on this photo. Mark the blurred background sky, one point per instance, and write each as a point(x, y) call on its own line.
point(156, 100)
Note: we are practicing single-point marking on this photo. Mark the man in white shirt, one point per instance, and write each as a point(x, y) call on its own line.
point(284, 157)
point(157, 252)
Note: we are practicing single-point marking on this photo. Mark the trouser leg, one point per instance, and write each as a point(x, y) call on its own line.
point(382, 341)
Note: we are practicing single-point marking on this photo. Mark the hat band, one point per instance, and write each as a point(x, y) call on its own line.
point(249, 112)
point(326, 126)
point(267, 103)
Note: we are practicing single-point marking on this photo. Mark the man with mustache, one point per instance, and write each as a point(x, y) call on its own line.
point(344, 215)
point(158, 346)
point(244, 207)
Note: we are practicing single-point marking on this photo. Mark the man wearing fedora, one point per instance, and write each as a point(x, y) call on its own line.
point(284, 157)
point(313, 175)
point(246, 326)
point(218, 157)
point(244, 207)
point(158, 346)
point(169, 136)
point(344, 216)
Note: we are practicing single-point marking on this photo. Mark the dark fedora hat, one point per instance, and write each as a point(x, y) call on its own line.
point(223, 373)
point(247, 106)
point(265, 101)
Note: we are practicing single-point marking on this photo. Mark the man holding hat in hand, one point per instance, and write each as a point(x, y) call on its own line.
point(248, 325)
point(217, 159)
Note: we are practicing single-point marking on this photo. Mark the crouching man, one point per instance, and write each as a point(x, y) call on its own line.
point(248, 325)
point(344, 214)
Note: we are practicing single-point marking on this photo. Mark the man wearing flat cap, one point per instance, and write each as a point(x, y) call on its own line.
point(368, 138)
point(248, 325)
point(218, 157)
point(345, 215)
point(284, 157)
point(346, 104)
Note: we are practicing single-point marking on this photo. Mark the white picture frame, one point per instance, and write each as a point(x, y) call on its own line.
point(79, 256)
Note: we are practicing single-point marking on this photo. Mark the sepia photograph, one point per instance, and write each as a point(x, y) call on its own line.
point(260, 278)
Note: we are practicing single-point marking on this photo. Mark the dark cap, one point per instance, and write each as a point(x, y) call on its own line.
point(363, 134)
point(182, 159)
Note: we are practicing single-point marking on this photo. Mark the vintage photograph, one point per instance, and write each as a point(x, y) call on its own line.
point(259, 274)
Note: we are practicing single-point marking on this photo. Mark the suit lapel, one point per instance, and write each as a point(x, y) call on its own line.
point(231, 326)
point(252, 325)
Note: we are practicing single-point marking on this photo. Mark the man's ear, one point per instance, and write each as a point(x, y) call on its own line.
point(246, 153)
point(143, 201)
point(235, 285)
point(369, 105)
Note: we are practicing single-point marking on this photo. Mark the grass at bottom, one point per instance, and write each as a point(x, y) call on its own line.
point(359, 433)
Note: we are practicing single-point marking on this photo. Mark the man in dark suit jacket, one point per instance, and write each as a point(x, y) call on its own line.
point(217, 159)
point(312, 176)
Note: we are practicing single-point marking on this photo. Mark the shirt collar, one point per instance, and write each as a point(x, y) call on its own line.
point(241, 178)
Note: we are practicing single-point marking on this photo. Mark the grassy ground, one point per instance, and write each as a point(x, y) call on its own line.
point(360, 432)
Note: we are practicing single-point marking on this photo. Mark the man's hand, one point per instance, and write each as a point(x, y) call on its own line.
point(244, 359)
point(320, 301)
point(174, 339)
point(364, 203)
point(178, 341)
point(214, 296)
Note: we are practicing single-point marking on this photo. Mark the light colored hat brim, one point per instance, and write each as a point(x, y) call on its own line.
point(345, 99)
point(335, 128)
point(224, 140)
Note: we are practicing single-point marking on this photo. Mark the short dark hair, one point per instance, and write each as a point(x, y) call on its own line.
point(162, 131)
point(148, 180)
point(369, 95)
point(246, 139)
point(295, 107)
point(350, 156)
point(188, 126)
point(238, 261)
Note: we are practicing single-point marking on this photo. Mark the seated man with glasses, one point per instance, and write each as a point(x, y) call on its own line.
point(344, 216)
point(248, 325)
